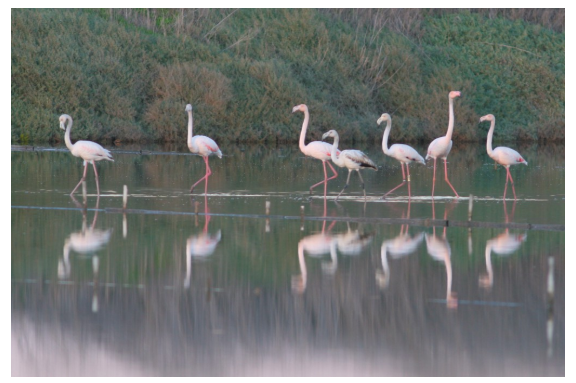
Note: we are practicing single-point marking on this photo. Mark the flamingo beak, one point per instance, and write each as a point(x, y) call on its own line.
point(379, 120)
point(295, 109)
point(325, 135)
point(62, 125)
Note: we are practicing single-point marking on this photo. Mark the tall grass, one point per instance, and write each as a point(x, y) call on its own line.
point(127, 74)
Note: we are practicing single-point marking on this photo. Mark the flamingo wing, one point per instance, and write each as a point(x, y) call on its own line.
point(91, 151)
point(506, 156)
point(206, 146)
point(406, 154)
point(358, 159)
point(320, 150)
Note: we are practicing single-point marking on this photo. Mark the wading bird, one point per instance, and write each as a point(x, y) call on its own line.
point(403, 153)
point(351, 159)
point(316, 149)
point(87, 150)
point(440, 147)
point(503, 155)
point(202, 145)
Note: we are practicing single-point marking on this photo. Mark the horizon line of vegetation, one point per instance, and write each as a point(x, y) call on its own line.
point(125, 75)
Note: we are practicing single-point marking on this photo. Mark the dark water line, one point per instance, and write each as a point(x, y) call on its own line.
point(425, 222)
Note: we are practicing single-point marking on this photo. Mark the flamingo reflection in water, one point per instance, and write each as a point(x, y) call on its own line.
point(316, 245)
point(398, 247)
point(86, 242)
point(200, 245)
point(353, 242)
point(502, 245)
point(439, 249)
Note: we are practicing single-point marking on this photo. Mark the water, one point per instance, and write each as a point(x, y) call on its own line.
point(343, 288)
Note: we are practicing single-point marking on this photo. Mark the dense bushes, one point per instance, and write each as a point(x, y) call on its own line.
point(127, 74)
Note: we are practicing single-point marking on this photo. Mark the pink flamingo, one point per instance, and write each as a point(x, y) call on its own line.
point(316, 149)
point(403, 153)
point(87, 150)
point(503, 155)
point(351, 159)
point(440, 147)
point(202, 145)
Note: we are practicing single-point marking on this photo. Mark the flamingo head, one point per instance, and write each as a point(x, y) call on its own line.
point(383, 117)
point(300, 108)
point(488, 117)
point(62, 120)
point(188, 108)
point(331, 133)
point(454, 94)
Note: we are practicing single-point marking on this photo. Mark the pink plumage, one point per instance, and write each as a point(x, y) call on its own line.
point(502, 154)
point(315, 149)
point(202, 145)
point(440, 147)
point(87, 150)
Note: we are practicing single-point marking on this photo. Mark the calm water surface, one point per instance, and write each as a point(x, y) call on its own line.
point(164, 291)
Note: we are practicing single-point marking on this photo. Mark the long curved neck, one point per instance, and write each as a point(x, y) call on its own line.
point(385, 139)
point(67, 135)
point(301, 144)
point(333, 155)
point(190, 127)
point(450, 119)
point(489, 139)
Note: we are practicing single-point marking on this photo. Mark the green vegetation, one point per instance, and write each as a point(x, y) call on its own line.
point(128, 74)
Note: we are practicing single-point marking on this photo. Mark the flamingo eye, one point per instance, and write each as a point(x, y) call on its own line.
point(520, 160)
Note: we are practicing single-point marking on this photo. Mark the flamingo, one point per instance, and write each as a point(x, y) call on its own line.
point(87, 150)
point(351, 159)
point(202, 145)
point(403, 153)
point(440, 147)
point(316, 149)
point(503, 155)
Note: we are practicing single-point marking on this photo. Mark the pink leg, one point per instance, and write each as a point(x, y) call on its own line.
point(409, 192)
point(505, 186)
point(326, 179)
point(208, 172)
point(96, 175)
point(83, 177)
point(511, 182)
point(434, 178)
point(403, 180)
point(446, 177)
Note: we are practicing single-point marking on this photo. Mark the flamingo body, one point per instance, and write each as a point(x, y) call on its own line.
point(319, 150)
point(439, 148)
point(204, 146)
point(89, 151)
point(405, 154)
point(506, 156)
